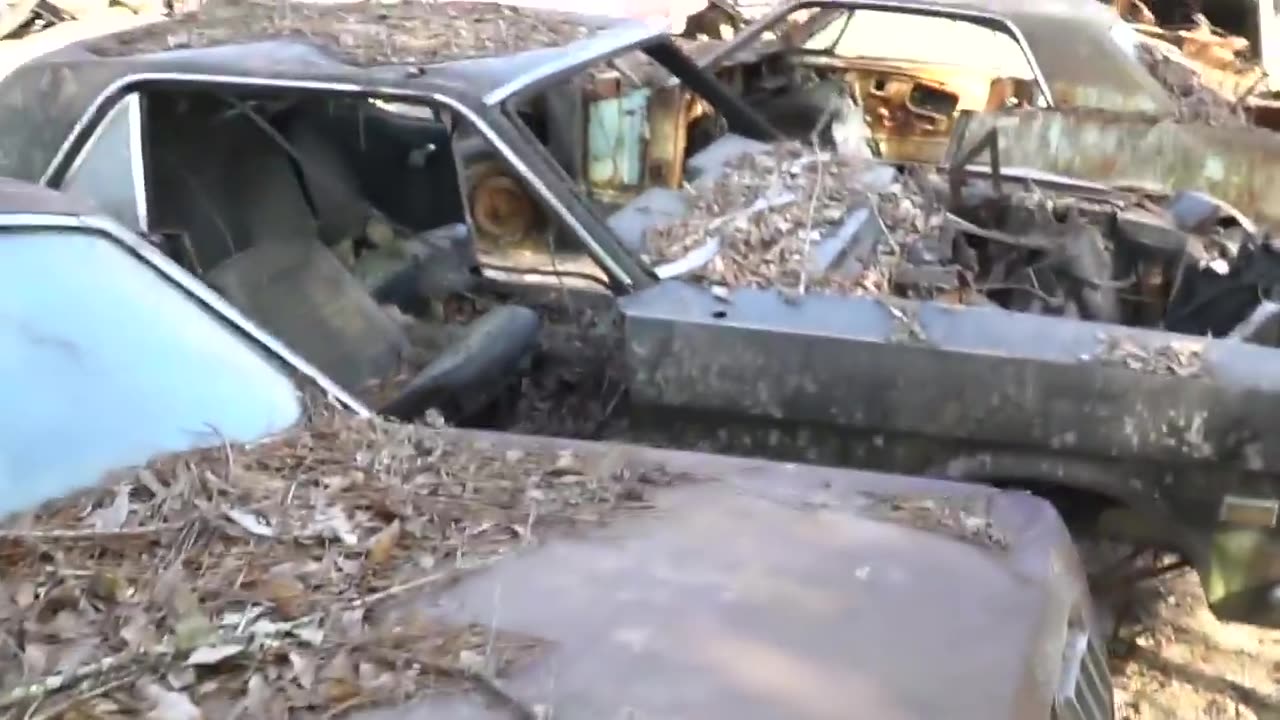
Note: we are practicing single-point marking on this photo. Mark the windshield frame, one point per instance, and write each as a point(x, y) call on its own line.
point(829, 8)
point(232, 319)
point(660, 49)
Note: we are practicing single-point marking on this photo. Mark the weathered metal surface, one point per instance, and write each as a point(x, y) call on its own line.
point(1240, 166)
point(1054, 35)
point(906, 129)
point(777, 591)
point(837, 381)
point(1237, 556)
point(668, 127)
point(816, 376)
point(616, 131)
point(502, 210)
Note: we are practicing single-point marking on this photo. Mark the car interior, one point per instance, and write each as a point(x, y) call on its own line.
point(313, 215)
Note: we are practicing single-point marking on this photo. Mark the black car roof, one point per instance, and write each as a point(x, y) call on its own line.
point(42, 101)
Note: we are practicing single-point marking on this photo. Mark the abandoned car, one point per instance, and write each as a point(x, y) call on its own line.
point(1069, 86)
point(1109, 349)
point(912, 66)
point(852, 581)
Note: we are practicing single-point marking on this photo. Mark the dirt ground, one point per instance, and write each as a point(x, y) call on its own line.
point(1176, 662)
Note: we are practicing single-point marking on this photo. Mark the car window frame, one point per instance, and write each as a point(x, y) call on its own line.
point(170, 271)
point(123, 121)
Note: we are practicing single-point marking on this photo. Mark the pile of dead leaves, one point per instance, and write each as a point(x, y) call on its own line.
point(270, 581)
point(363, 33)
point(1196, 101)
point(760, 220)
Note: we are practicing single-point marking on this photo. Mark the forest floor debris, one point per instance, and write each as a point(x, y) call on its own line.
point(365, 33)
point(1178, 661)
point(768, 210)
point(283, 568)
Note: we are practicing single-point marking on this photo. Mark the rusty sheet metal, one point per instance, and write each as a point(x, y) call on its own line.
point(636, 138)
point(909, 116)
point(1240, 166)
point(616, 129)
point(669, 117)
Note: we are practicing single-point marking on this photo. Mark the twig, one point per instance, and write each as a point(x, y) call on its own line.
point(61, 681)
point(226, 448)
point(37, 536)
point(491, 686)
point(59, 710)
point(808, 222)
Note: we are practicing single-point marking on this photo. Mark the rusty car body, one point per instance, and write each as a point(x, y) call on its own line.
point(762, 590)
point(1063, 83)
point(913, 65)
point(1008, 347)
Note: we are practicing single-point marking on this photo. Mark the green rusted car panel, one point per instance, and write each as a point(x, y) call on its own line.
point(1238, 165)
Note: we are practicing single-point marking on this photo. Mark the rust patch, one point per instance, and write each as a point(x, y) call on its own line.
point(502, 210)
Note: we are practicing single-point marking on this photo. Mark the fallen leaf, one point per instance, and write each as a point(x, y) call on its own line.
point(339, 682)
point(287, 593)
point(261, 702)
point(75, 656)
point(35, 659)
point(251, 522)
point(112, 517)
point(106, 585)
point(304, 668)
point(138, 630)
point(25, 595)
point(181, 678)
point(332, 522)
point(169, 705)
point(383, 544)
point(193, 631)
point(213, 654)
point(309, 634)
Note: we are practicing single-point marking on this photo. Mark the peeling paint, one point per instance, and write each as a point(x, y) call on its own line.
point(1240, 166)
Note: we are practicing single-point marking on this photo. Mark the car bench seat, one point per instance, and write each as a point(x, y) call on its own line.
point(299, 291)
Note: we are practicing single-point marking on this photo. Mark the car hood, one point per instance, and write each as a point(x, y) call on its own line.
point(772, 591)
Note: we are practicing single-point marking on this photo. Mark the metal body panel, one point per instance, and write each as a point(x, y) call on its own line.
point(766, 591)
point(1238, 165)
point(51, 210)
point(616, 132)
point(912, 387)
